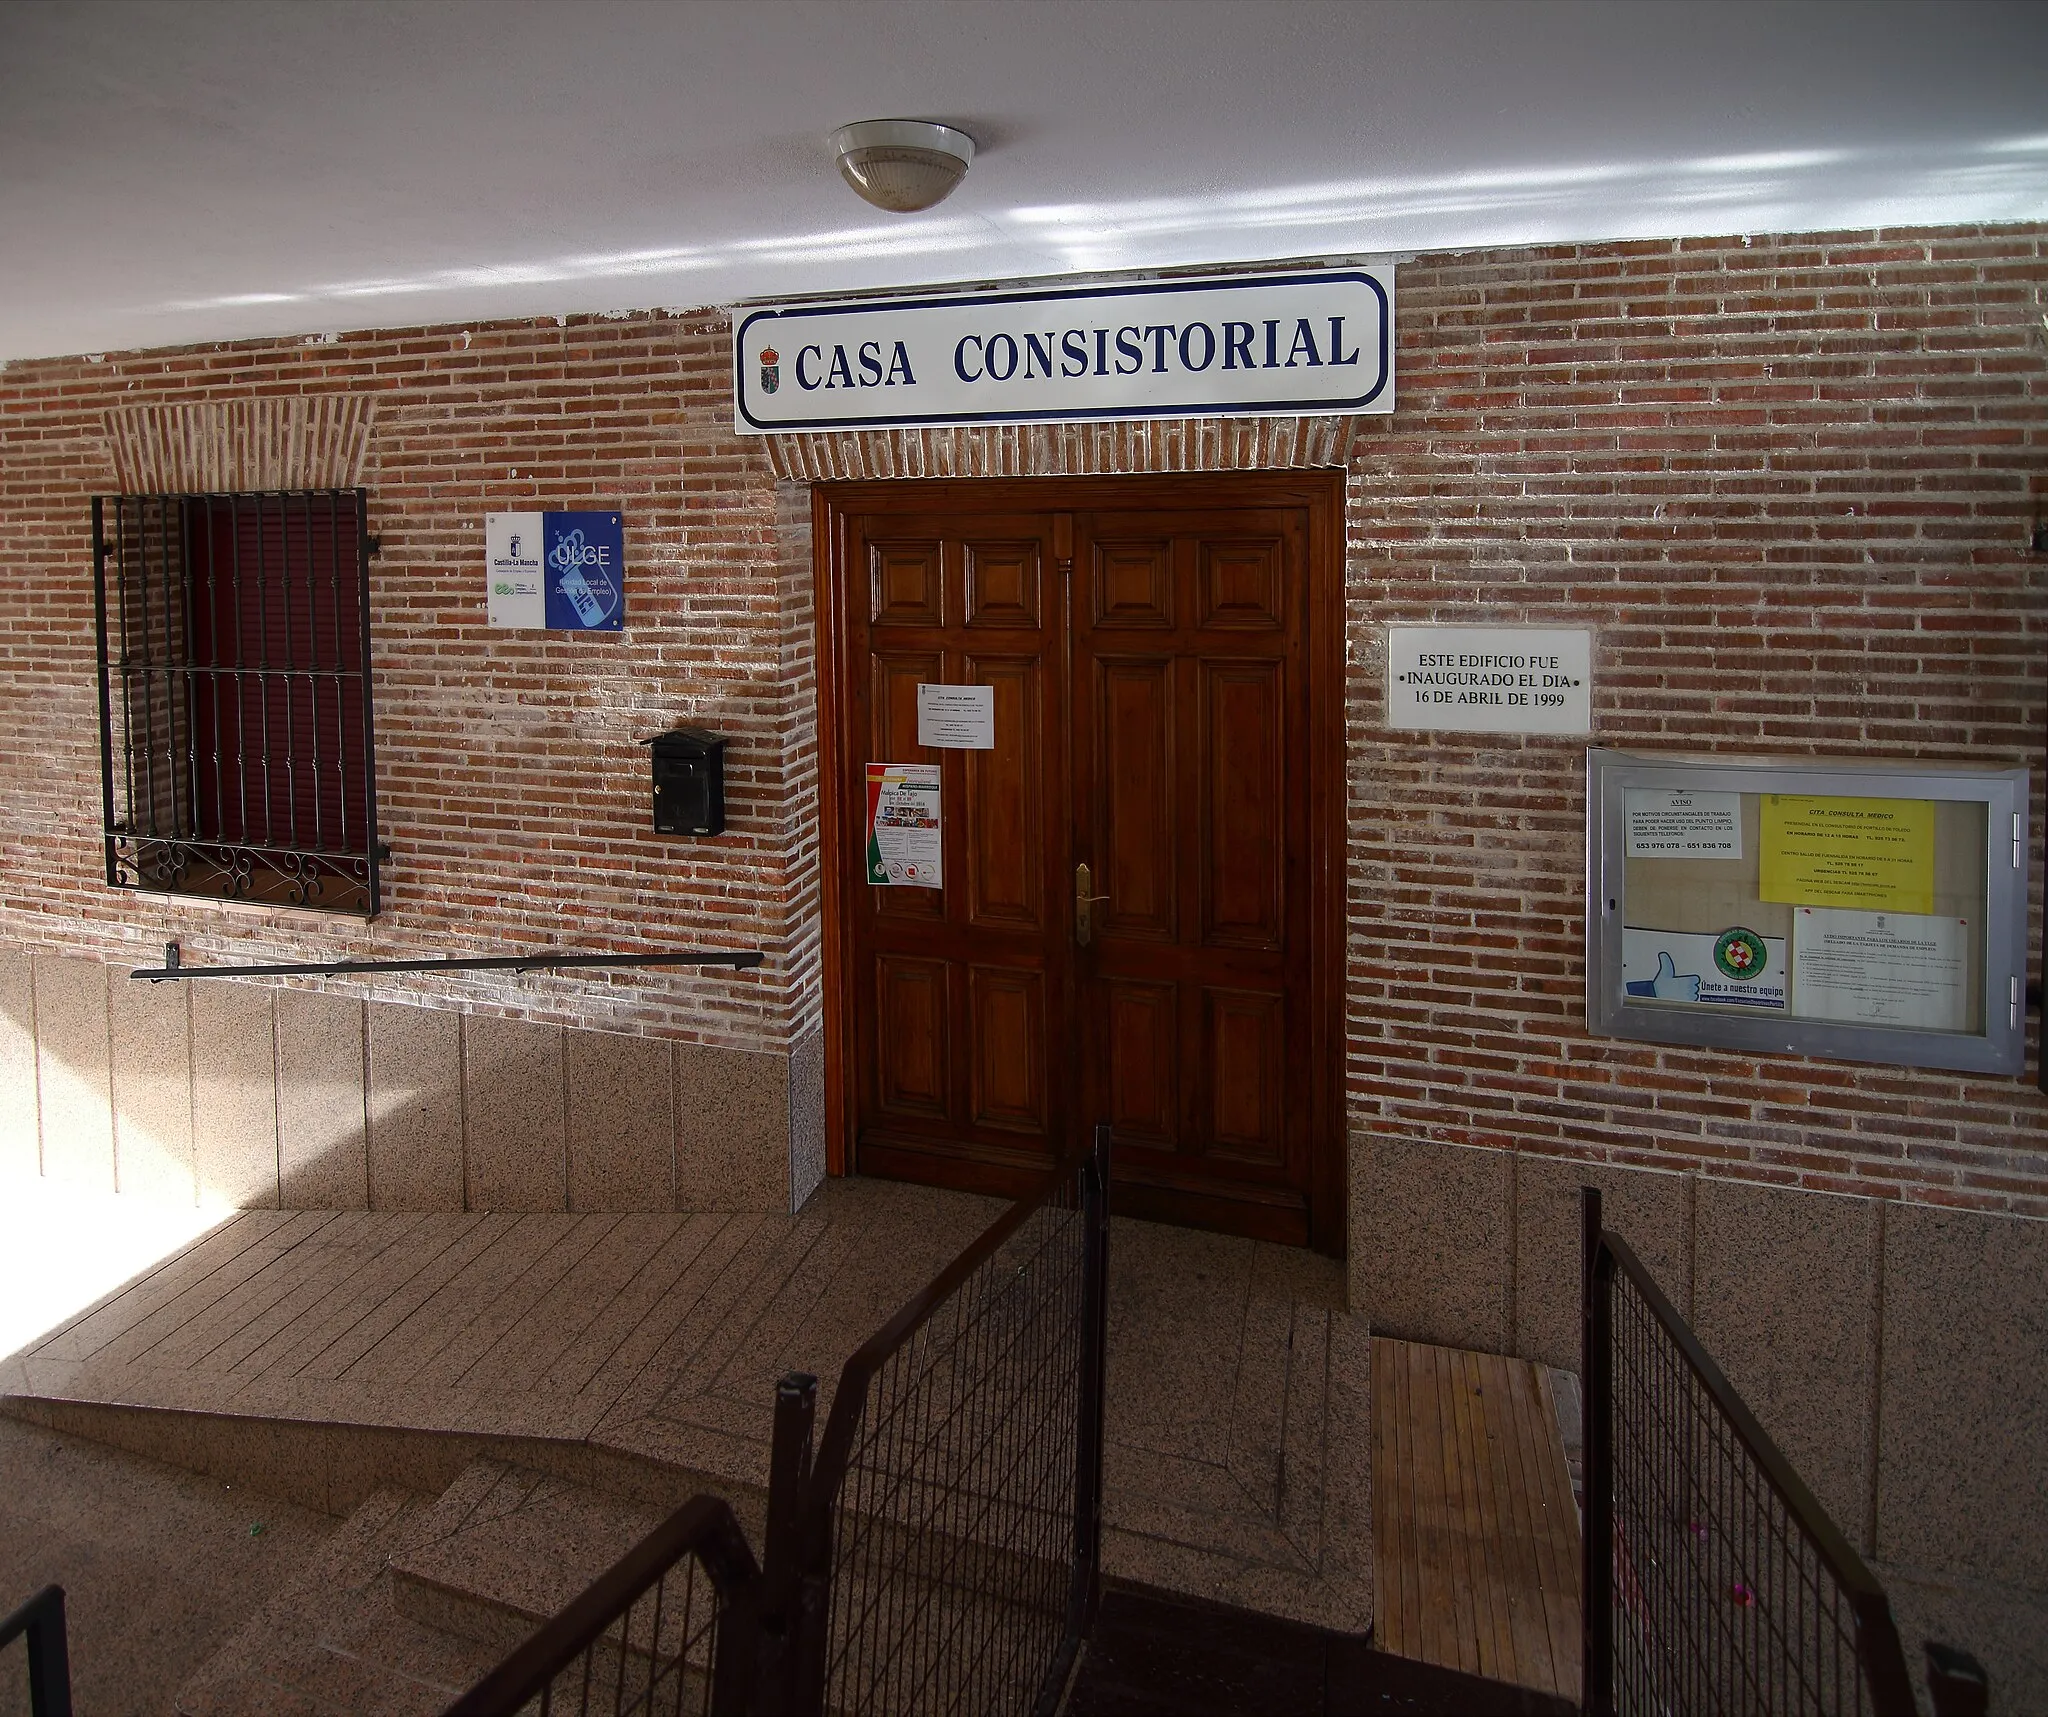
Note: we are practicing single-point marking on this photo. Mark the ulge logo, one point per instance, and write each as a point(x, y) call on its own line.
point(592, 594)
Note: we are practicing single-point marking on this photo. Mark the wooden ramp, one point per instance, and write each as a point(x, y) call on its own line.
point(1476, 1536)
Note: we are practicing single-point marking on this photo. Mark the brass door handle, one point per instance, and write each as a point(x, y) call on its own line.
point(1084, 904)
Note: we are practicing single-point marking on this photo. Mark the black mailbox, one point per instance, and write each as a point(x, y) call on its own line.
point(689, 782)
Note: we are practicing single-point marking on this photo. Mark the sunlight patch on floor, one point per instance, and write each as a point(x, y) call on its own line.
point(63, 1247)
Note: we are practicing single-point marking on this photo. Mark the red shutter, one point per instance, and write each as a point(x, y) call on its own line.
point(277, 683)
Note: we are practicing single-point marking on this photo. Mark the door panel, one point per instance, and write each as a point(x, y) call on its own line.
point(910, 1029)
point(1192, 789)
point(1244, 1073)
point(1148, 642)
point(1143, 1066)
point(1241, 770)
point(1007, 1010)
point(1243, 584)
point(970, 990)
point(905, 580)
point(1005, 800)
point(1134, 867)
point(1003, 581)
point(1132, 585)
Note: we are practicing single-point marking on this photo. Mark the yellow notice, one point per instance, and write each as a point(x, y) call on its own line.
point(1873, 854)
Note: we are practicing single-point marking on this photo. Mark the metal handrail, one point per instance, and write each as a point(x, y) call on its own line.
point(704, 1527)
point(49, 1657)
point(174, 967)
point(1877, 1640)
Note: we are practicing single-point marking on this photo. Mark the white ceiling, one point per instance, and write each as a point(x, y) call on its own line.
point(184, 170)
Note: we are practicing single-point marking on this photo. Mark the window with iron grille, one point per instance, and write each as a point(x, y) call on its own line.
point(237, 754)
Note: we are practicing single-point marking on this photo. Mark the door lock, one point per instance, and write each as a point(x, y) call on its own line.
point(1084, 905)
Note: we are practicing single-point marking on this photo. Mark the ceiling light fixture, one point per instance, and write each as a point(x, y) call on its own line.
point(902, 165)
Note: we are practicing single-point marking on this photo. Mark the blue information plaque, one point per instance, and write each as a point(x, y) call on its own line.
point(558, 572)
point(584, 556)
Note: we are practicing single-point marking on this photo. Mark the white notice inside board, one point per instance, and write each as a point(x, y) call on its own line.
point(1665, 824)
point(1881, 968)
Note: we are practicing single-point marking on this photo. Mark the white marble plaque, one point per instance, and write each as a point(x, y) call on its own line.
point(1489, 679)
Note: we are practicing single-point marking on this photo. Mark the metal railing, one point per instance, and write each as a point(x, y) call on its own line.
point(547, 960)
point(955, 1508)
point(1713, 1580)
point(41, 1619)
point(938, 1550)
point(666, 1628)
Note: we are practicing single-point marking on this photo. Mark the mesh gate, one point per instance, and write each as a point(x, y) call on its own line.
point(937, 1551)
point(1714, 1582)
point(953, 1532)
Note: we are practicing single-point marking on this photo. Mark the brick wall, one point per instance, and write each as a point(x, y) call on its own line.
point(511, 789)
point(1789, 482)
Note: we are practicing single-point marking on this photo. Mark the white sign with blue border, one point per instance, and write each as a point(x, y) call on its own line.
point(559, 572)
point(1238, 346)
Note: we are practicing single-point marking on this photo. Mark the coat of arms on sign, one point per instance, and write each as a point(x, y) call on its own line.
point(771, 370)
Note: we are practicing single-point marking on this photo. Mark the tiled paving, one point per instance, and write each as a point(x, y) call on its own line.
point(160, 1567)
point(1238, 1399)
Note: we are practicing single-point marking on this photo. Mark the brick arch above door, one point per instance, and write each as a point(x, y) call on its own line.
point(1155, 447)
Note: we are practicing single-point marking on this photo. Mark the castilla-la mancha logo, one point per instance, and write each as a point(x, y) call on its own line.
point(771, 370)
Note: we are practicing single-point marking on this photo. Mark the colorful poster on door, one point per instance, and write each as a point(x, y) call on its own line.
point(556, 572)
point(904, 835)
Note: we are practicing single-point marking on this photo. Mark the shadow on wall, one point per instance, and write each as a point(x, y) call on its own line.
point(239, 1095)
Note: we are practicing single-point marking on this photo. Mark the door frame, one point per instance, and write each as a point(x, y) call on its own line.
point(1321, 494)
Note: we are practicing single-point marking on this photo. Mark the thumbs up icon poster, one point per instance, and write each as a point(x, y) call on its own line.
point(1736, 967)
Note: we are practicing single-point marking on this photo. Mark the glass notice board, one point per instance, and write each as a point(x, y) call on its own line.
point(1867, 911)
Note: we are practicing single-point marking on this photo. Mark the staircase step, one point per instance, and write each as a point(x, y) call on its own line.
point(506, 1547)
point(334, 1643)
point(412, 1601)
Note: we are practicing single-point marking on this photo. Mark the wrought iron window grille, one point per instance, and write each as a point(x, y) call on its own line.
point(237, 738)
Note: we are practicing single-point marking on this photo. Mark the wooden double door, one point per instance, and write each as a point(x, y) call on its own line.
point(1140, 917)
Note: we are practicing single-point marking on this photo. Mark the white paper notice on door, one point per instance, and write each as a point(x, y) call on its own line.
point(1881, 968)
point(957, 718)
point(904, 836)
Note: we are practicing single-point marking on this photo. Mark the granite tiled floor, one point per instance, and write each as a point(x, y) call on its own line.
point(1239, 1418)
point(159, 1566)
